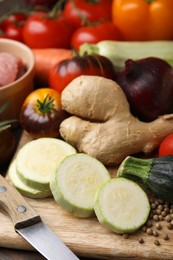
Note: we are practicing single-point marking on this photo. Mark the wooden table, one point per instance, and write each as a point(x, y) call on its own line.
point(13, 254)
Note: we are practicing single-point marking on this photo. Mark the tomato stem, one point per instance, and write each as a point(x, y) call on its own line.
point(47, 105)
point(150, 1)
point(57, 7)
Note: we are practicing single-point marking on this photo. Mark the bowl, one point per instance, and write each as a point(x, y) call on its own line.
point(16, 92)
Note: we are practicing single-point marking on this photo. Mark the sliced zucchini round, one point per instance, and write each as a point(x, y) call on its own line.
point(23, 188)
point(37, 160)
point(121, 205)
point(76, 181)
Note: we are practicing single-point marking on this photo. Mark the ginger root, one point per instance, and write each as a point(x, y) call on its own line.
point(102, 125)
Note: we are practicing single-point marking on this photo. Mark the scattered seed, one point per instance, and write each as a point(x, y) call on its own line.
point(153, 206)
point(169, 226)
point(161, 217)
point(156, 218)
point(149, 231)
point(149, 223)
point(125, 236)
point(165, 237)
point(168, 218)
point(155, 233)
point(144, 228)
point(158, 226)
point(156, 242)
point(163, 213)
point(141, 240)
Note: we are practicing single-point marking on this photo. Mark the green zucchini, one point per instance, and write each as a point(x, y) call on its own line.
point(121, 205)
point(155, 174)
point(119, 51)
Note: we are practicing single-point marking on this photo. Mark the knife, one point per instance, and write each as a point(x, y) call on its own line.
point(30, 226)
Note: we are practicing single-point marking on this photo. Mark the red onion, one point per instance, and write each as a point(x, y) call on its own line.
point(148, 85)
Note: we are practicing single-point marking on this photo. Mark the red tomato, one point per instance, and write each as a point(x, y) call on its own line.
point(16, 18)
point(95, 33)
point(65, 71)
point(166, 146)
point(78, 11)
point(14, 32)
point(41, 113)
point(43, 31)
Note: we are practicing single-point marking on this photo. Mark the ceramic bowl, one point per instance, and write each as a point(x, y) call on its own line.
point(17, 91)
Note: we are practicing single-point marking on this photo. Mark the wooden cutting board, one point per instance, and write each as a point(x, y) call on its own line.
point(87, 237)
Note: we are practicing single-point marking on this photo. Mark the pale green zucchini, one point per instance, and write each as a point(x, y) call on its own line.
point(25, 189)
point(76, 182)
point(119, 51)
point(121, 205)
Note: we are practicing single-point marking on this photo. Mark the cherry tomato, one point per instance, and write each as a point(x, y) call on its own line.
point(14, 32)
point(41, 113)
point(65, 71)
point(15, 18)
point(140, 20)
point(78, 11)
point(166, 146)
point(95, 33)
point(43, 31)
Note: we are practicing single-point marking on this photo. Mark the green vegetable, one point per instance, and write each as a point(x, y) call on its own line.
point(37, 161)
point(121, 205)
point(119, 51)
point(25, 189)
point(156, 174)
point(75, 183)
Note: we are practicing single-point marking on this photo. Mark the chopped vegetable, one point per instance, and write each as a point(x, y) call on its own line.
point(102, 125)
point(156, 174)
point(121, 205)
point(75, 183)
point(37, 160)
point(25, 189)
point(119, 51)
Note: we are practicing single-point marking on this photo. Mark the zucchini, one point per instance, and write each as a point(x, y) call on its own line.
point(25, 189)
point(75, 183)
point(121, 205)
point(155, 174)
point(37, 160)
point(119, 51)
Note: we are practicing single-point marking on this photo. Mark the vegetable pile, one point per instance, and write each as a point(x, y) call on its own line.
point(104, 91)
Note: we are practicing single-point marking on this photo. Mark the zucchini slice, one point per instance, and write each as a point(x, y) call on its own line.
point(37, 160)
point(121, 205)
point(76, 181)
point(23, 188)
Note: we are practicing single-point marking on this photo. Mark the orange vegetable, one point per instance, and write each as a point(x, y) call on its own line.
point(140, 20)
point(45, 59)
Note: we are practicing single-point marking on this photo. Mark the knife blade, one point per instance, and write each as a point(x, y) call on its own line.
point(30, 226)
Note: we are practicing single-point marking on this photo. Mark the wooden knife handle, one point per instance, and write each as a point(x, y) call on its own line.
point(12, 202)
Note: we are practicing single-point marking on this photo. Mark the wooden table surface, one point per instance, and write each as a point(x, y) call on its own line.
point(14, 254)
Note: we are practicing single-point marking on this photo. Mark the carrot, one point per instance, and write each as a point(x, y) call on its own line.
point(45, 59)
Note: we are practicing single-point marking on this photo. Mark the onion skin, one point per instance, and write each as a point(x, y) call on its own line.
point(148, 85)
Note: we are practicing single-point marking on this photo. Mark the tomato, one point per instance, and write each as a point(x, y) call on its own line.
point(43, 31)
point(65, 71)
point(95, 33)
point(41, 113)
point(140, 20)
point(166, 146)
point(78, 11)
point(14, 32)
point(15, 19)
